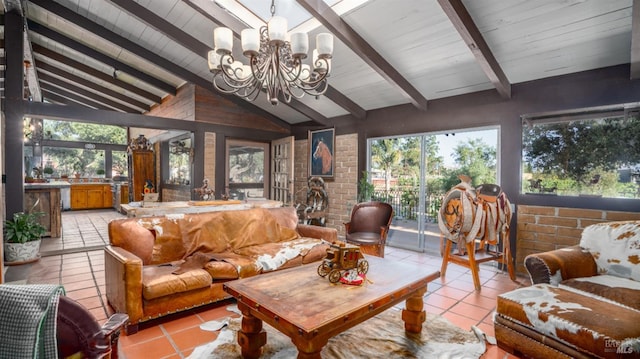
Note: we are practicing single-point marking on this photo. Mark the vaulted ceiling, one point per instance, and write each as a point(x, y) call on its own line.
point(126, 55)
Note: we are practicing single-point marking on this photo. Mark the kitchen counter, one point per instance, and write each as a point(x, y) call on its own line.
point(46, 198)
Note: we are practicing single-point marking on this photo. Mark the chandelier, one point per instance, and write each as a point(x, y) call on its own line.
point(275, 65)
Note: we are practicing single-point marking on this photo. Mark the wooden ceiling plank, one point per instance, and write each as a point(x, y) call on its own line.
point(635, 40)
point(74, 97)
point(97, 55)
point(94, 72)
point(53, 97)
point(150, 56)
point(462, 21)
point(332, 21)
point(218, 16)
point(42, 65)
point(86, 93)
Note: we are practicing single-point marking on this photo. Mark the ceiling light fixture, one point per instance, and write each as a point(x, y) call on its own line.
point(275, 64)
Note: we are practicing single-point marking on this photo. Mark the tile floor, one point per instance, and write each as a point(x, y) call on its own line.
point(76, 261)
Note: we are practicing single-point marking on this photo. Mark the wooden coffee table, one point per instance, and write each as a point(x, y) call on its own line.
point(310, 310)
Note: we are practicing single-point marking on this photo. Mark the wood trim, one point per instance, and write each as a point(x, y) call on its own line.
point(463, 22)
point(635, 40)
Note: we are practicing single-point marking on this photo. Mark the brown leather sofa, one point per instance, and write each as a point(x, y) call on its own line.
point(160, 265)
point(584, 301)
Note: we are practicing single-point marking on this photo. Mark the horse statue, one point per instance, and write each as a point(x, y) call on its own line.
point(205, 192)
point(469, 215)
point(322, 151)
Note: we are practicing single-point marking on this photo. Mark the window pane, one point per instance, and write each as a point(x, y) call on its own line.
point(84, 132)
point(70, 161)
point(119, 163)
point(598, 156)
point(246, 169)
point(180, 161)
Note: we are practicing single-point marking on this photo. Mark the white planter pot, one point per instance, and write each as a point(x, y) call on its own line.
point(21, 252)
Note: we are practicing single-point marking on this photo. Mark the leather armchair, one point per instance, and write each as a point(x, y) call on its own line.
point(369, 226)
point(78, 331)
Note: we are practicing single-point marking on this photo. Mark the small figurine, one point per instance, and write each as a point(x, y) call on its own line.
point(344, 260)
point(148, 186)
point(205, 192)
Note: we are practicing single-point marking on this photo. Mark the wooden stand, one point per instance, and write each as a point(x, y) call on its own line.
point(141, 169)
point(474, 257)
point(48, 201)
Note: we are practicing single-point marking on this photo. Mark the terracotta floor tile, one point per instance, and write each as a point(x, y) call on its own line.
point(76, 278)
point(487, 329)
point(494, 352)
point(433, 310)
point(79, 285)
point(192, 337)
point(462, 285)
point(74, 271)
point(459, 320)
point(143, 335)
point(90, 303)
point(439, 301)
point(155, 348)
point(470, 311)
point(183, 323)
point(452, 293)
point(479, 300)
point(217, 312)
point(82, 293)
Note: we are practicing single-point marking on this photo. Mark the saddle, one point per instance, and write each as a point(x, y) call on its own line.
point(469, 213)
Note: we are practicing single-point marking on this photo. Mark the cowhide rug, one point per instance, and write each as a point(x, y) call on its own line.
point(382, 336)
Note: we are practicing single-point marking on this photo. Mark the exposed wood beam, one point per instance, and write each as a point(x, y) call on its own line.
point(332, 21)
point(95, 73)
point(90, 84)
point(86, 93)
point(51, 95)
point(52, 88)
point(462, 21)
point(635, 40)
point(152, 57)
point(120, 66)
point(217, 15)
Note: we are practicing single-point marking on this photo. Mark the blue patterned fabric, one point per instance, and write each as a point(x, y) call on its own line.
point(28, 315)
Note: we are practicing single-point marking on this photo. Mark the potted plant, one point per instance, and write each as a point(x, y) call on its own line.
point(100, 172)
point(22, 237)
point(48, 171)
point(365, 188)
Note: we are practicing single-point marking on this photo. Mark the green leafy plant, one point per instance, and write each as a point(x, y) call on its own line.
point(24, 227)
point(100, 171)
point(48, 170)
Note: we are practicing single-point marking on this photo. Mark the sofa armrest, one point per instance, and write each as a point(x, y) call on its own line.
point(552, 267)
point(328, 234)
point(123, 282)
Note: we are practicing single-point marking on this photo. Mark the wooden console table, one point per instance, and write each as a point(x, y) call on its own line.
point(45, 198)
point(282, 300)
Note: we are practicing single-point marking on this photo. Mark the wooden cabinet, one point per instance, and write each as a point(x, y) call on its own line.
point(47, 200)
point(141, 169)
point(89, 196)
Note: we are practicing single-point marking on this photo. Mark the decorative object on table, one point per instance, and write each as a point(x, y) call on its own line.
point(225, 195)
point(275, 64)
point(22, 236)
point(322, 152)
point(205, 192)
point(140, 143)
point(148, 187)
point(315, 210)
point(476, 220)
point(341, 258)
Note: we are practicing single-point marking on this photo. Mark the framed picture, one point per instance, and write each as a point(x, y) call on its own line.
point(321, 153)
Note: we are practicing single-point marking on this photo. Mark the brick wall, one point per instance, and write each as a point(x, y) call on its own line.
point(342, 189)
point(543, 229)
point(210, 159)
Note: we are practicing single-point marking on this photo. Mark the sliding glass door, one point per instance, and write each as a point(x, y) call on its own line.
point(412, 173)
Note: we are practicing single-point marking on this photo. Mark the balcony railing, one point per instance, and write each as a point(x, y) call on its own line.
point(405, 203)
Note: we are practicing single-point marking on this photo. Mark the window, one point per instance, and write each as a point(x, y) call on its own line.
point(180, 155)
point(247, 164)
point(591, 152)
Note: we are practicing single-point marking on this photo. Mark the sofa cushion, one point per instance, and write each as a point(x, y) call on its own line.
point(607, 287)
point(201, 233)
point(133, 237)
point(253, 226)
point(592, 325)
point(168, 245)
point(220, 270)
point(158, 281)
point(615, 247)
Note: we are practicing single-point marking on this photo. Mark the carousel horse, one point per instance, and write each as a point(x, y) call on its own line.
point(322, 151)
point(475, 216)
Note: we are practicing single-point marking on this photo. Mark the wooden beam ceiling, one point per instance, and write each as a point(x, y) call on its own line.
point(463, 22)
point(635, 40)
point(332, 21)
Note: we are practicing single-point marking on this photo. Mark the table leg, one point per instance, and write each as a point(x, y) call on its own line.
point(414, 315)
point(310, 349)
point(251, 337)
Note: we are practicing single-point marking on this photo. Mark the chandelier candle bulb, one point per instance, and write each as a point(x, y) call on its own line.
point(223, 40)
point(250, 42)
point(277, 30)
point(324, 45)
point(214, 60)
point(299, 44)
